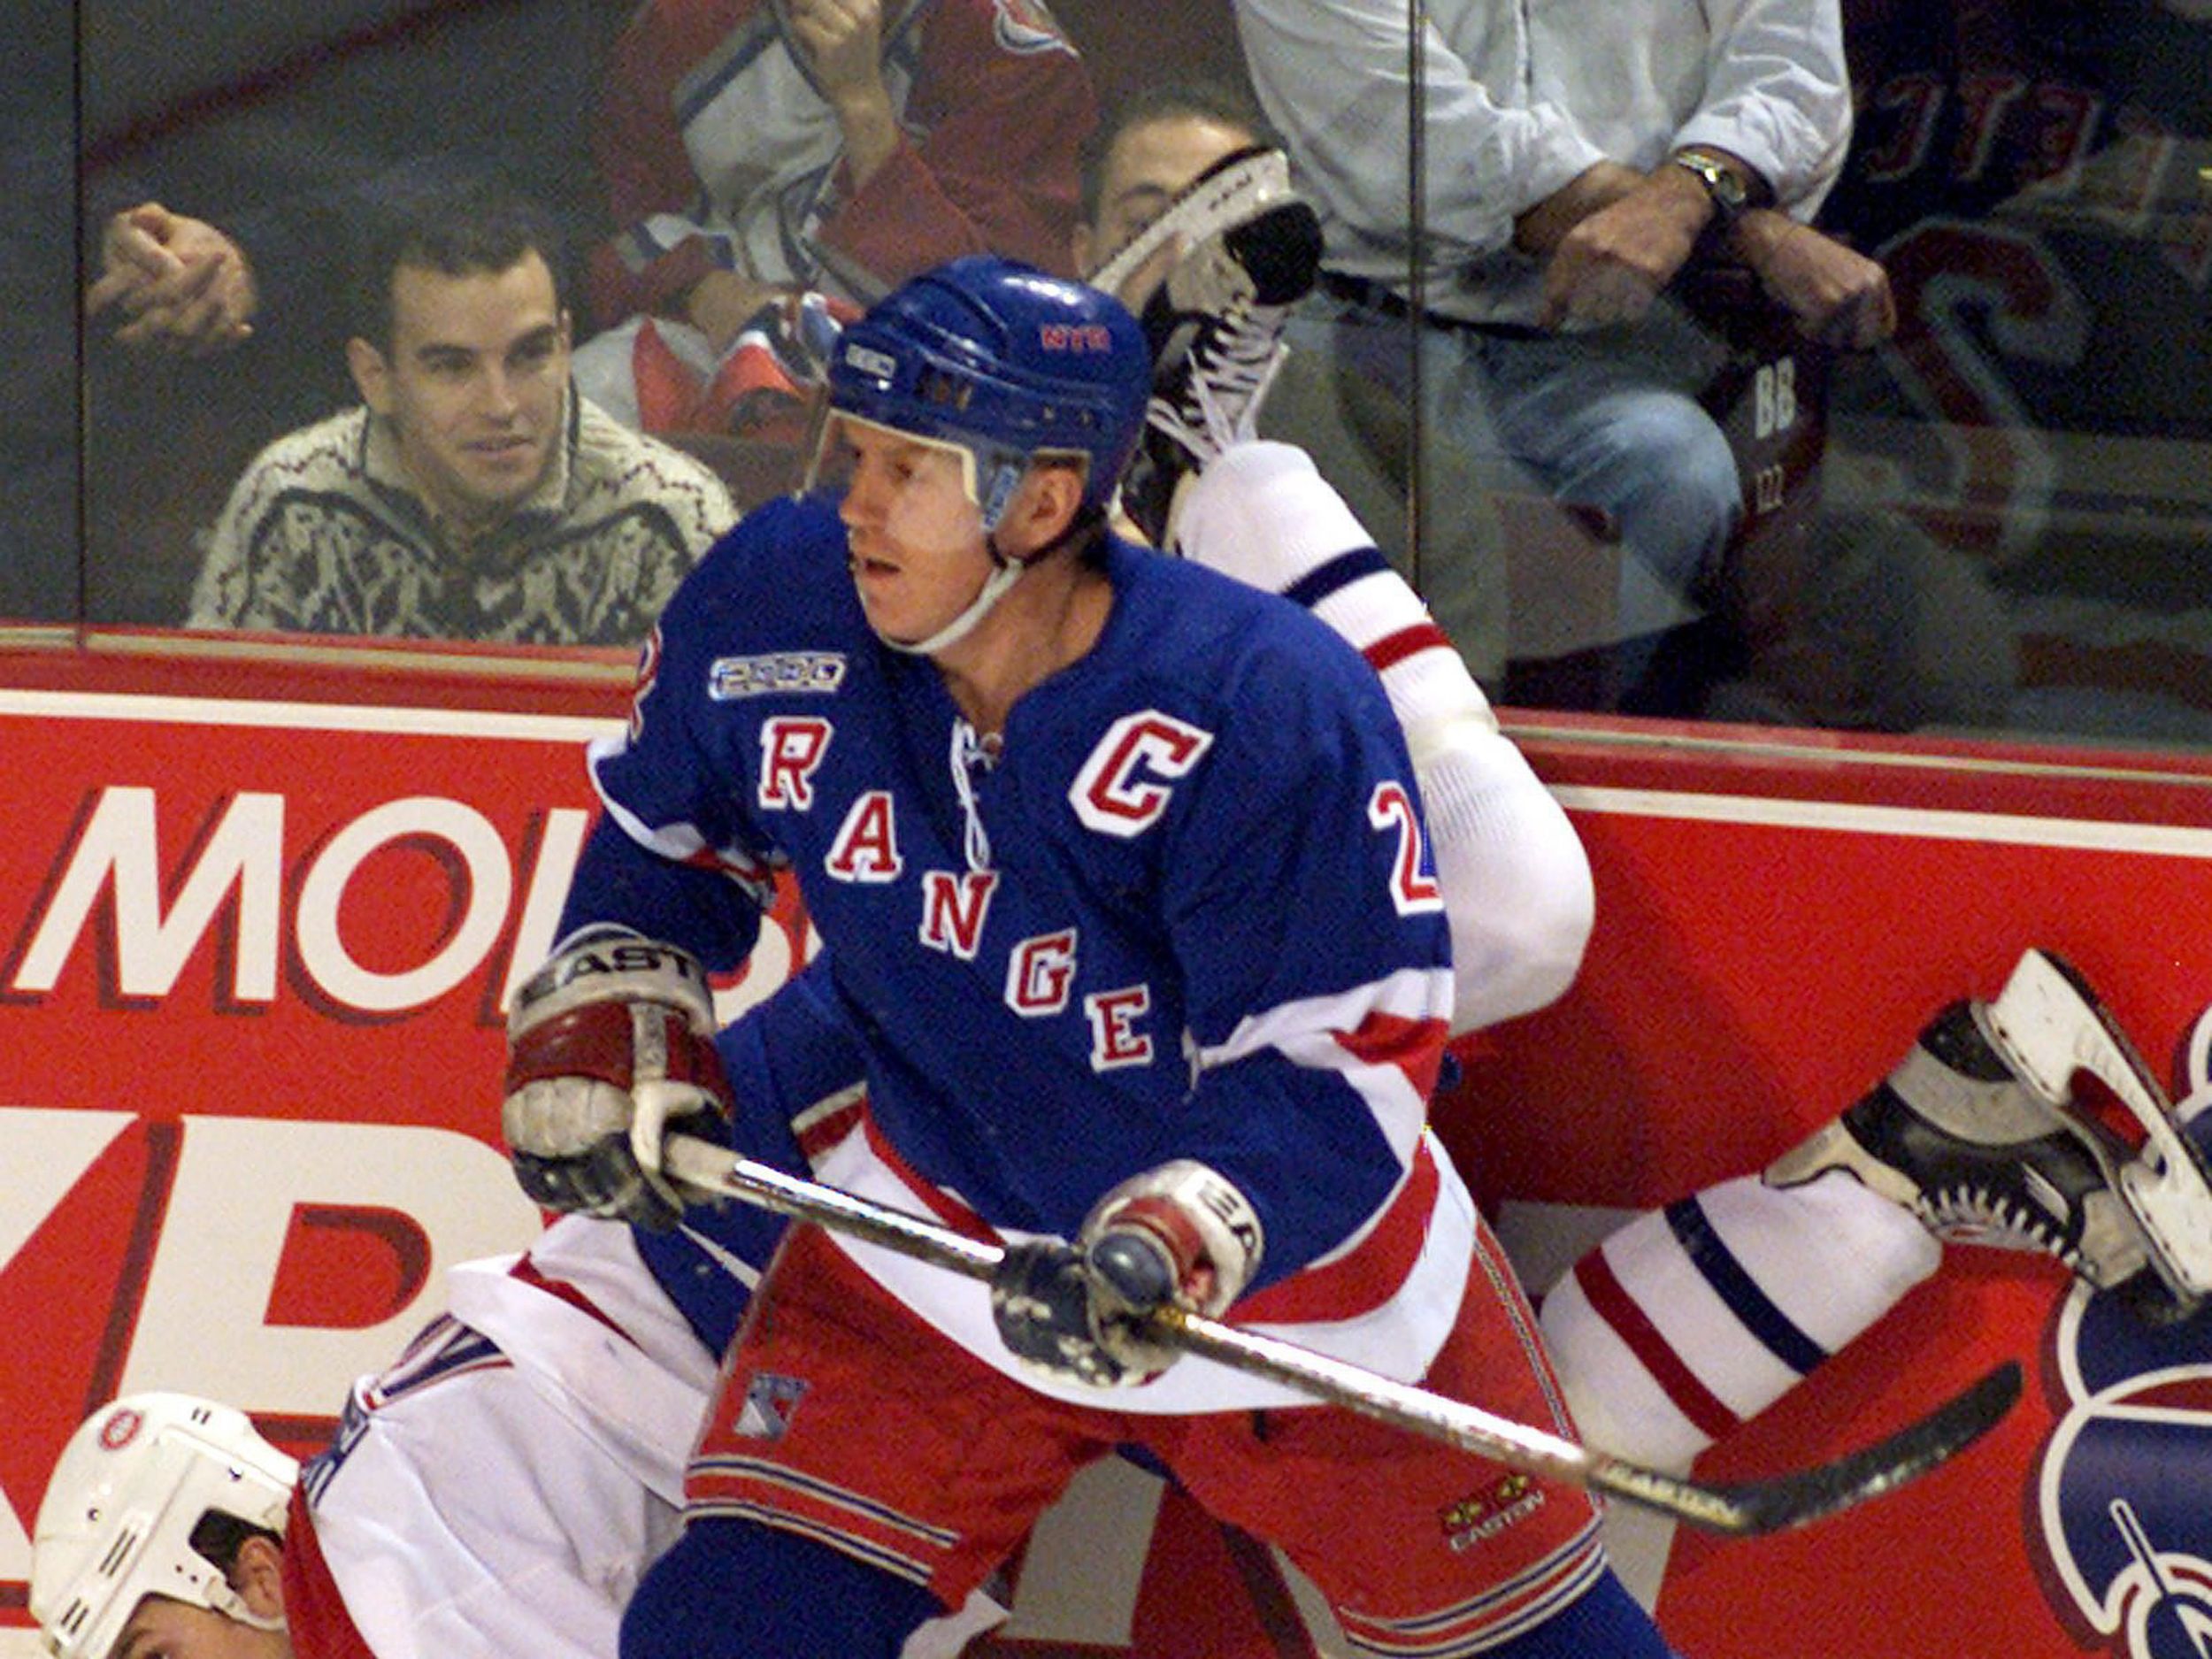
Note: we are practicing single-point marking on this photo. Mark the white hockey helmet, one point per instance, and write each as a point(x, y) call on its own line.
point(128, 1492)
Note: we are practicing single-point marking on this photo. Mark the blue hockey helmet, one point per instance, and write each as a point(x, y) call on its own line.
point(1006, 364)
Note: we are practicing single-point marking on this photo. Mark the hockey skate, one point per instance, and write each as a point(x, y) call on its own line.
point(1216, 323)
point(1977, 1132)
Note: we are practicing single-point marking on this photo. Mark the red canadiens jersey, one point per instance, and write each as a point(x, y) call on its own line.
point(719, 151)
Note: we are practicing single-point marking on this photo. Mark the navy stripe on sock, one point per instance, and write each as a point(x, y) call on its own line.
point(1693, 1231)
point(1332, 574)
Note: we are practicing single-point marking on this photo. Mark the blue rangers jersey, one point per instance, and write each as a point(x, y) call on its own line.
point(1183, 911)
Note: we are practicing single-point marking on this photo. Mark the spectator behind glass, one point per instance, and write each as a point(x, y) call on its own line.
point(753, 151)
point(1148, 148)
point(473, 495)
point(1580, 158)
point(211, 330)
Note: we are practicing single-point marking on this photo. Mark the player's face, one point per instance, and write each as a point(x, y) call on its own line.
point(163, 1629)
point(1146, 168)
point(916, 534)
point(473, 385)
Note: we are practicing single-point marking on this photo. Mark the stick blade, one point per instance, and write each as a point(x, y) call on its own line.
point(1792, 1501)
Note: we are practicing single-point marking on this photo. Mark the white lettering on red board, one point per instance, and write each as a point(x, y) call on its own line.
point(238, 882)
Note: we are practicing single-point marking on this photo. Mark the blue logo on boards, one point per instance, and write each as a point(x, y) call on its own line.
point(2124, 1493)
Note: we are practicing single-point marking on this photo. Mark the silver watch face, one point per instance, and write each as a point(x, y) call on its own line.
point(1725, 189)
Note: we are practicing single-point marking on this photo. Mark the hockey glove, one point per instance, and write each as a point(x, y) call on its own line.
point(1179, 1234)
point(610, 1046)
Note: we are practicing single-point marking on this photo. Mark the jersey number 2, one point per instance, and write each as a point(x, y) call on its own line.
point(1412, 889)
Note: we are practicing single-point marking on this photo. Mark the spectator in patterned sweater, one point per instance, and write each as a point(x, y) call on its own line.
point(754, 152)
point(474, 493)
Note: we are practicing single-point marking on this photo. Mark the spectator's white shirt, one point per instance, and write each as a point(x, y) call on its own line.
point(1520, 97)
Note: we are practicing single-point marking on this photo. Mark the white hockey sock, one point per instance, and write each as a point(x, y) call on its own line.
point(1687, 1321)
point(1262, 513)
point(1517, 883)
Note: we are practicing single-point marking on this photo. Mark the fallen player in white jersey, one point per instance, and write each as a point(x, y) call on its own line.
point(1687, 1321)
point(496, 1492)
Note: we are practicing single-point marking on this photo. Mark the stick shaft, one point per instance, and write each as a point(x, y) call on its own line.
point(1766, 1506)
point(1333, 1381)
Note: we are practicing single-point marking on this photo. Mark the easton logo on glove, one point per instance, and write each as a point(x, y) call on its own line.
point(610, 1046)
point(602, 956)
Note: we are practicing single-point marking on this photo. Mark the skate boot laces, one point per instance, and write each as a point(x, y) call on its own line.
point(1216, 329)
point(1229, 365)
point(1995, 1160)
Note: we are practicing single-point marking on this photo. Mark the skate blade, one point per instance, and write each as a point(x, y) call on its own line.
point(1236, 189)
point(2052, 1026)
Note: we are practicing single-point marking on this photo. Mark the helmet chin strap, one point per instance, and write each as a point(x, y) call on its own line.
point(1004, 573)
point(256, 1621)
point(226, 1600)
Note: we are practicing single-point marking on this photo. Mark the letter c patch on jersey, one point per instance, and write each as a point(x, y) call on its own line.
point(1122, 789)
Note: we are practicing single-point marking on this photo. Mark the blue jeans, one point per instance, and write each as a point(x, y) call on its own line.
point(1612, 421)
point(1608, 419)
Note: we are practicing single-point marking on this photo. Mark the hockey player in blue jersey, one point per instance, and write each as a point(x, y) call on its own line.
point(1121, 870)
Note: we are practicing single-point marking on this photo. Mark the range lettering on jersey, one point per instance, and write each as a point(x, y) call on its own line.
point(1115, 1039)
point(1123, 788)
point(791, 751)
point(1039, 972)
point(954, 904)
point(866, 849)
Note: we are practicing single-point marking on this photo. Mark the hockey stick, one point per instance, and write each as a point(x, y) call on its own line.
point(1764, 1506)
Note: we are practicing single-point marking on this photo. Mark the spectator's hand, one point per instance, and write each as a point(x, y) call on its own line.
point(179, 284)
point(842, 43)
point(1839, 296)
point(721, 303)
point(1539, 231)
point(1611, 265)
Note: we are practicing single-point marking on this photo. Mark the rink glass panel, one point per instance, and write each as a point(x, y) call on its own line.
point(1995, 524)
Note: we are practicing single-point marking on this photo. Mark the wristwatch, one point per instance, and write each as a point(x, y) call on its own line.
point(1726, 186)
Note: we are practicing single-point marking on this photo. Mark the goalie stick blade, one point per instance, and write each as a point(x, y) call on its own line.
point(1765, 1506)
point(1786, 1502)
